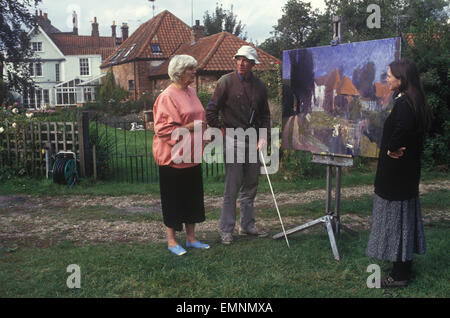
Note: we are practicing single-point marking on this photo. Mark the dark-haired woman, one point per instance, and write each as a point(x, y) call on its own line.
point(397, 228)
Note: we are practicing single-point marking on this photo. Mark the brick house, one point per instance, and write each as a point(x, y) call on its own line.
point(214, 55)
point(140, 63)
point(145, 50)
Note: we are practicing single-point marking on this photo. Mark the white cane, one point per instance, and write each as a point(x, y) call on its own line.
point(273, 195)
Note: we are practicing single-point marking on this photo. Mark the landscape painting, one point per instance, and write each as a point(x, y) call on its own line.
point(335, 98)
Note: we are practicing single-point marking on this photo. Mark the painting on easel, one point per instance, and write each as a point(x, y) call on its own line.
point(335, 98)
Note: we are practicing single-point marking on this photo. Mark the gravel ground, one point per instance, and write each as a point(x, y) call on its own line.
point(42, 221)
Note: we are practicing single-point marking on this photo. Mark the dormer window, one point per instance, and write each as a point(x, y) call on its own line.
point(156, 48)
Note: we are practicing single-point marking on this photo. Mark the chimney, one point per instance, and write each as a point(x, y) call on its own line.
point(75, 22)
point(113, 31)
point(95, 28)
point(124, 29)
point(198, 31)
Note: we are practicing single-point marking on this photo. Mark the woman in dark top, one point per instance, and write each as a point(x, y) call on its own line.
point(397, 229)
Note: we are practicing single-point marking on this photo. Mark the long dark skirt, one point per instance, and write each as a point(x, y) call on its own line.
point(181, 196)
point(397, 230)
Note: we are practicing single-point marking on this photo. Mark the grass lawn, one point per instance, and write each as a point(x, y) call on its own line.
point(250, 267)
point(263, 268)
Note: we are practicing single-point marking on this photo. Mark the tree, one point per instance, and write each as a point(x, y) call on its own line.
point(110, 92)
point(429, 47)
point(396, 16)
point(299, 27)
point(223, 20)
point(297, 23)
point(16, 22)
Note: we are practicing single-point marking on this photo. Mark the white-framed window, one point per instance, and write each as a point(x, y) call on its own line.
point(89, 94)
point(36, 46)
point(66, 96)
point(35, 69)
point(57, 72)
point(35, 98)
point(84, 66)
point(66, 93)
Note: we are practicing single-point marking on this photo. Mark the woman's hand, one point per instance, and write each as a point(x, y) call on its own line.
point(397, 153)
point(189, 126)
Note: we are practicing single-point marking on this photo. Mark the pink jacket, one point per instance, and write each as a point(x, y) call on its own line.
point(173, 109)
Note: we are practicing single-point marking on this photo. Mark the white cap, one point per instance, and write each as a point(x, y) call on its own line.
point(248, 52)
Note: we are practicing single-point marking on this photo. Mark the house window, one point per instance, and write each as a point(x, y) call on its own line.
point(128, 52)
point(131, 85)
point(66, 96)
point(89, 94)
point(46, 97)
point(116, 56)
point(35, 69)
point(57, 72)
point(84, 66)
point(66, 93)
point(36, 46)
point(38, 69)
point(35, 98)
point(156, 48)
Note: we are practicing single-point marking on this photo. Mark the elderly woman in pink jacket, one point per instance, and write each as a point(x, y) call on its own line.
point(176, 110)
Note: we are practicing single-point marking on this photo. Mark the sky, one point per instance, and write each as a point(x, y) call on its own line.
point(259, 17)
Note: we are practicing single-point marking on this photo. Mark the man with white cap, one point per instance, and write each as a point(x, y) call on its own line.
point(241, 100)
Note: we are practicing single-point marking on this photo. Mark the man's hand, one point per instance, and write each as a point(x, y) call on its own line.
point(397, 153)
point(261, 143)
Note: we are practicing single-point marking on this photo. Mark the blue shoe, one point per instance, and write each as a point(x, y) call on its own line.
point(177, 250)
point(197, 244)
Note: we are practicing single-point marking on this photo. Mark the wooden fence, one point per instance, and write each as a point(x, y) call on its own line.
point(23, 147)
point(119, 152)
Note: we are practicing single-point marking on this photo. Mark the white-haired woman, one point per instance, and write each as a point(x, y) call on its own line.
point(180, 176)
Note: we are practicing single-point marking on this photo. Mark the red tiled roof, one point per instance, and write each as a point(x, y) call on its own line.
point(164, 29)
point(71, 44)
point(215, 53)
point(346, 87)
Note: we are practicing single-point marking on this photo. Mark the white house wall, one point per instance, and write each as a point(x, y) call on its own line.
point(69, 65)
point(72, 67)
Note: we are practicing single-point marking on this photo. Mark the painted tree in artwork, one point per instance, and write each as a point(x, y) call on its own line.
point(16, 22)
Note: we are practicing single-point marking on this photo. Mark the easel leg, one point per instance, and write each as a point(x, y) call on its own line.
point(337, 198)
point(332, 238)
point(329, 190)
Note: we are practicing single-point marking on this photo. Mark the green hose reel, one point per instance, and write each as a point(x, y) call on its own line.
point(65, 168)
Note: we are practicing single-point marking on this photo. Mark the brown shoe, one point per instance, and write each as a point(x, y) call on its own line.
point(388, 281)
point(226, 238)
point(253, 231)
